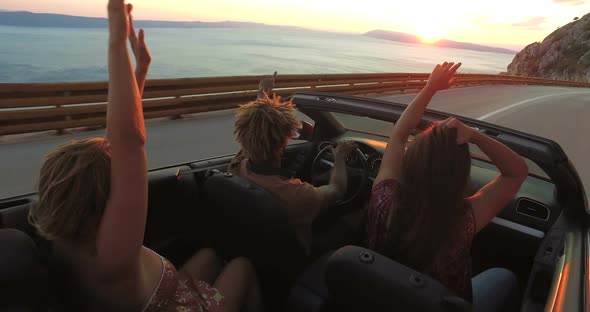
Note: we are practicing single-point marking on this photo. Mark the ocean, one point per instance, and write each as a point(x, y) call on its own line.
point(59, 54)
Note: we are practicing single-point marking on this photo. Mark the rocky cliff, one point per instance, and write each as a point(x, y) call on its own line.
point(563, 55)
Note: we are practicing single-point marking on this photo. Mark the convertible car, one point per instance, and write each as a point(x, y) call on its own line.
point(542, 235)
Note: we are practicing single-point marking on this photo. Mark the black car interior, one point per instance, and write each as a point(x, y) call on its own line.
point(198, 204)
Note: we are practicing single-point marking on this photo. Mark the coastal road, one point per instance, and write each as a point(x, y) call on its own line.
point(561, 114)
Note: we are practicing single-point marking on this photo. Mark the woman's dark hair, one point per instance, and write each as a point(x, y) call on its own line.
point(434, 175)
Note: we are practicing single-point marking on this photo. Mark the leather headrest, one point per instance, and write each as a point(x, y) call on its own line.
point(23, 278)
point(18, 256)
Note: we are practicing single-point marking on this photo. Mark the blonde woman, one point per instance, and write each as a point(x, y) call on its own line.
point(93, 206)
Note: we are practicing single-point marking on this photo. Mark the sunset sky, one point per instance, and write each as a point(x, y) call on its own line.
point(498, 22)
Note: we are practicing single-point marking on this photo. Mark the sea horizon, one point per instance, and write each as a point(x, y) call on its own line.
point(47, 54)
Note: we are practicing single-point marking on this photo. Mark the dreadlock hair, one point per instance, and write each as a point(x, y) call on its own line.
point(263, 126)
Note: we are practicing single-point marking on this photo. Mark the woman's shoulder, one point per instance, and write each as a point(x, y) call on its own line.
point(384, 192)
point(386, 185)
point(380, 206)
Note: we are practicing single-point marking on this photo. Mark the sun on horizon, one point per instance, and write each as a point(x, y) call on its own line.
point(429, 35)
point(429, 39)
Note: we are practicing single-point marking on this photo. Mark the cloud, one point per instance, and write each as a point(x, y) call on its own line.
point(528, 23)
point(532, 23)
point(569, 2)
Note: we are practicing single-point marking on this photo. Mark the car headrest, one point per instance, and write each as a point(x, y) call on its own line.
point(249, 222)
point(22, 276)
point(249, 210)
point(359, 278)
point(16, 217)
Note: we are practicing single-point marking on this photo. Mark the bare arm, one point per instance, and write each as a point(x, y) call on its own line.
point(143, 57)
point(336, 189)
point(493, 197)
point(142, 66)
point(441, 78)
point(121, 231)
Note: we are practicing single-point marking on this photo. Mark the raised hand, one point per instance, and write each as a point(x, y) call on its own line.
point(265, 87)
point(464, 133)
point(143, 57)
point(442, 76)
point(118, 22)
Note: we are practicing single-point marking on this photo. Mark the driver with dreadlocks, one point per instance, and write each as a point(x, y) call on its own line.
point(263, 128)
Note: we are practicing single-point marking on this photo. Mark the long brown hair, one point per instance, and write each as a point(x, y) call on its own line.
point(434, 175)
point(74, 186)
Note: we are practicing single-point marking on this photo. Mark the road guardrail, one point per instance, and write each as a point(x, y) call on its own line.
point(34, 107)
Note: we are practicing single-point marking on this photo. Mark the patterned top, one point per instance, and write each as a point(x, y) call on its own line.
point(178, 292)
point(451, 266)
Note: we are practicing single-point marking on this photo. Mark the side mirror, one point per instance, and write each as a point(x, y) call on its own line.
point(306, 131)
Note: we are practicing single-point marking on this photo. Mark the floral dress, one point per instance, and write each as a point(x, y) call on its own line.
point(178, 292)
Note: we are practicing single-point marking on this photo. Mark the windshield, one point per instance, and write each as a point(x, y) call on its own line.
point(383, 129)
point(208, 57)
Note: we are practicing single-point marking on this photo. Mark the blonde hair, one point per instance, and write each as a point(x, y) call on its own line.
point(73, 187)
point(263, 126)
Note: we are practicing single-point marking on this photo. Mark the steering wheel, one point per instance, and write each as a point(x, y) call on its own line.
point(356, 170)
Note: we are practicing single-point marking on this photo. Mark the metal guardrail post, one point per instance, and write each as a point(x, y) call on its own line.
point(60, 131)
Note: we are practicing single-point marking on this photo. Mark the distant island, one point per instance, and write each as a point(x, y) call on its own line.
point(30, 19)
point(409, 38)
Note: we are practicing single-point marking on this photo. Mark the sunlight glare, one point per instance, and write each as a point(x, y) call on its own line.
point(429, 34)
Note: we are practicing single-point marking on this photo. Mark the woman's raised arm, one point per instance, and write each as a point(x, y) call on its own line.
point(440, 79)
point(493, 197)
point(121, 232)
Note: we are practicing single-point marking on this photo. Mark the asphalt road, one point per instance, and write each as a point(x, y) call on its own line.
point(561, 114)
